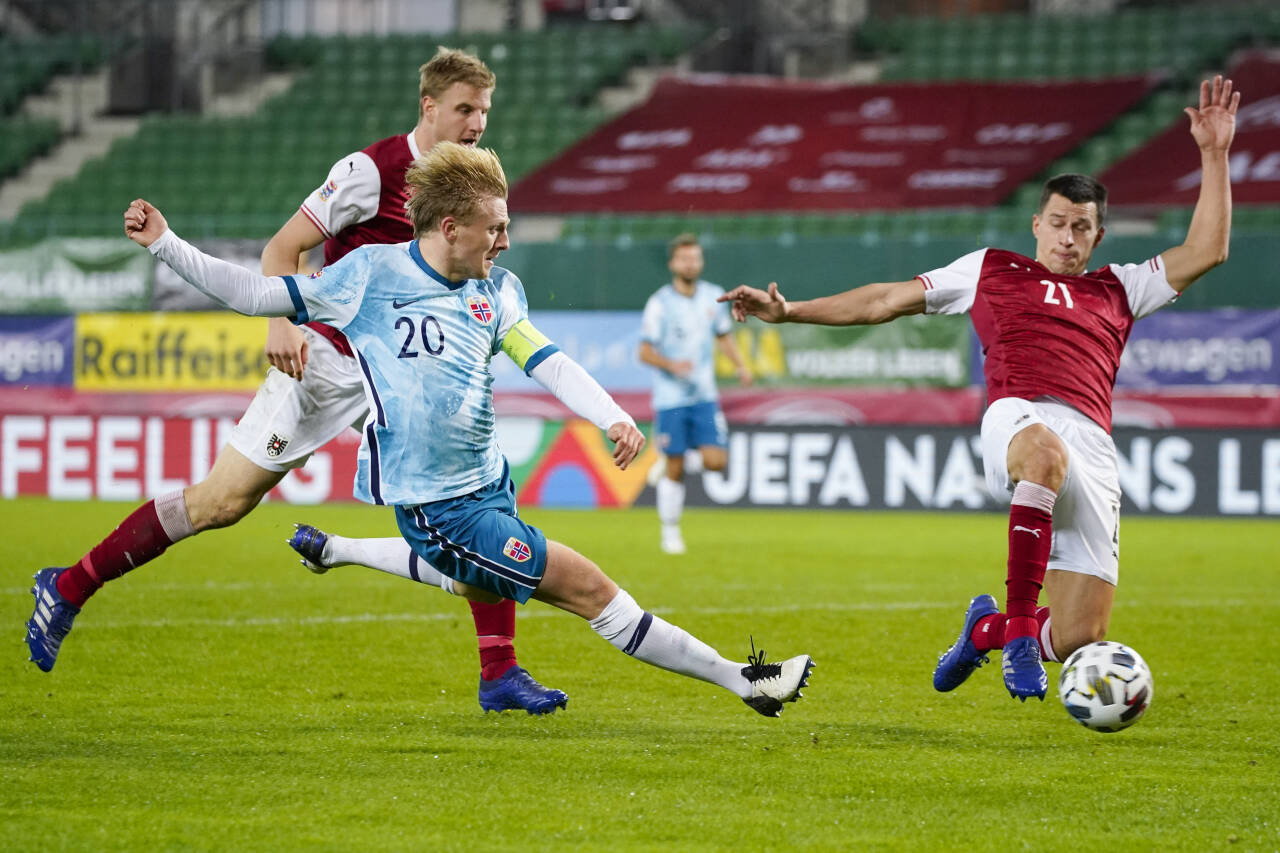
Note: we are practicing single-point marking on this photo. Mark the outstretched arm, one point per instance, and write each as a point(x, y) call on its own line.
point(573, 386)
point(286, 346)
point(584, 396)
point(233, 286)
point(1213, 126)
point(862, 306)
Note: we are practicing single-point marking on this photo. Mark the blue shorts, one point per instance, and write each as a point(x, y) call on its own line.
point(477, 539)
point(688, 427)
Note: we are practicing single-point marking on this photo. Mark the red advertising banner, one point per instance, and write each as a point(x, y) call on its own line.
point(1166, 171)
point(715, 143)
point(132, 457)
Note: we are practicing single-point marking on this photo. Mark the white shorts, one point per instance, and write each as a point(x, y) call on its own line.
point(1086, 516)
point(289, 420)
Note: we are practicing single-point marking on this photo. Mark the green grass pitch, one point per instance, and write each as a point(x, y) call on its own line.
point(223, 698)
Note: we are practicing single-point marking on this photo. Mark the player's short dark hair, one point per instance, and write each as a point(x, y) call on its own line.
point(688, 238)
point(1080, 189)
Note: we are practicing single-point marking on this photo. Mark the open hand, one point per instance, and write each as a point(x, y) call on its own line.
point(750, 301)
point(1214, 125)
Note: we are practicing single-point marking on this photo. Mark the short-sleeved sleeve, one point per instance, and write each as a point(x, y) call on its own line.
point(513, 305)
point(350, 194)
point(952, 289)
point(331, 295)
point(722, 323)
point(514, 334)
point(651, 320)
point(1146, 285)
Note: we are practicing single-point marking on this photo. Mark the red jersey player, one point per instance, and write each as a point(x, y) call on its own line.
point(313, 392)
point(1052, 334)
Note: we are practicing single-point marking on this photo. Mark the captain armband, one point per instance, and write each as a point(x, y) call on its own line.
point(526, 346)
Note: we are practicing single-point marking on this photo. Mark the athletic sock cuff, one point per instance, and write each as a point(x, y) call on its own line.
point(1046, 644)
point(1035, 496)
point(171, 510)
point(618, 615)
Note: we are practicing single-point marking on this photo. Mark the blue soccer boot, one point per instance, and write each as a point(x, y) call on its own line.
point(516, 690)
point(309, 542)
point(1024, 674)
point(50, 621)
point(958, 662)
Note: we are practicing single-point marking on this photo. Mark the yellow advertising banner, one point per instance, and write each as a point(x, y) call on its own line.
point(188, 351)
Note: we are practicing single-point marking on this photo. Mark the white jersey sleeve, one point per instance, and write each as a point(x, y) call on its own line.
point(722, 323)
point(332, 295)
point(349, 195)
point(234, 286)
point(1146, 285)
point(577, 389)
point(512, 307)
point(651, 320)
point(953, 288)
point(514, 334)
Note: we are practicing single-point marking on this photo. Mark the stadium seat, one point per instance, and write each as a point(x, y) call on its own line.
point(196, 163)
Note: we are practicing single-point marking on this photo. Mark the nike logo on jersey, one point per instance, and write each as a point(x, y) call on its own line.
point(396, 303)
point(1035, 533)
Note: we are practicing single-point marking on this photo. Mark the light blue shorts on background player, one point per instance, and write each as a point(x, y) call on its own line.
point(690, 427)
point(477, 539)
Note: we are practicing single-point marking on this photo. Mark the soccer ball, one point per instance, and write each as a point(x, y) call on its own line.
point(1105, 686)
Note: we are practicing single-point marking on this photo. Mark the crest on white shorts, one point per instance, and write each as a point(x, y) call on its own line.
point(276, 445)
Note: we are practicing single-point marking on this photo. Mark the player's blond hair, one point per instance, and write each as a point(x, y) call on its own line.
point(451, 66)
point(452, 180)
point(688, 238)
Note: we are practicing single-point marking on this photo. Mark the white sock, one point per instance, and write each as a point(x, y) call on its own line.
point(171, 509)
point(1046, 645)
point(693, 461)
point(656, 641)
point(670, 501)
point(391, 555)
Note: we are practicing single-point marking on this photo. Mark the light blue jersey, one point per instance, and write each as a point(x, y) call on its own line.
point(424, 345)
point(683, 328)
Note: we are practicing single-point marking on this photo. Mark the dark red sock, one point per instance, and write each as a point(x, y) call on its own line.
point(495, 631)
point(988, 632)
point(1030, 539)
point(139, 539)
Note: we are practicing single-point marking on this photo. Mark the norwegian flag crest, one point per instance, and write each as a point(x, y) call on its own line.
point(480, 309)
point(517, 550)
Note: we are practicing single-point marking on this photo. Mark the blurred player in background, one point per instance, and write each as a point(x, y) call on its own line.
point(425, 319)
point(1052, 334)
point(313, 391)
point(680, 321)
